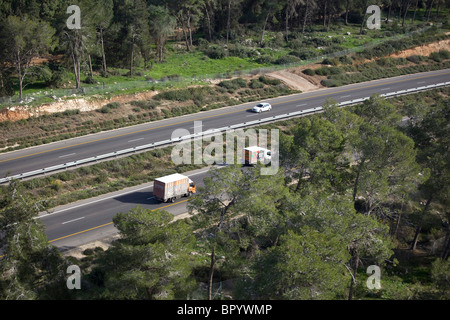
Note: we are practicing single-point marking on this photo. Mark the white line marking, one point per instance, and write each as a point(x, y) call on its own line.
point(346, 96)
point(150, 198)
point(136, 139)
point(72, 220)
point(67, 155)
point(384, 89)
point(421, 82)
point(301, 105)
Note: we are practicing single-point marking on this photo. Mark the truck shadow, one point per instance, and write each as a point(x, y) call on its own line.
point(143, 198)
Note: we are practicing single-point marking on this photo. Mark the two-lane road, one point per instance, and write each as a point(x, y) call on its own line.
point(61, 152)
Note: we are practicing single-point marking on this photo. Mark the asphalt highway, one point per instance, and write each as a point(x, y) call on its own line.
point(61, 152)
point(85, 221)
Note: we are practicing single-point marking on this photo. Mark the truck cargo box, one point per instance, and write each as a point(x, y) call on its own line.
point(172, 187)
point(254, 154)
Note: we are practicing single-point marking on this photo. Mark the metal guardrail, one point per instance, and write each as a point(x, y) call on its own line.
point(207, 133)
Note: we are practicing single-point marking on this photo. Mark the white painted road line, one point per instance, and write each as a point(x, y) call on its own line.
point(67, 155)
point(385, 89)
point(136, 140)
point(301, 105)
point(72, 220)
point(346, 96)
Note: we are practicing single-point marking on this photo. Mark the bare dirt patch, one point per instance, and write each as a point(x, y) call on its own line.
point(78, 251)
point(93, 104)
point(294, 80)
point(424, 50)
point(14, 114)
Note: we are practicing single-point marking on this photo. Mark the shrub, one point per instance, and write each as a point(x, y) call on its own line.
point(71, 112)
point(295, 44)
point(329, 83)
point(89, 80)
point(435, 56)
point(145, 104)
point(309, 72)
point(445, 54)
point(264, 59)
point(331, 61)
point(239, 51)
point(59, 78)
point(305, 53)
point(105, 109)
point(56, 185)
point(287, 59)
point(324, 71)
point(215, 52)
point(174, 77)
point(255, 84)
point(268, 81)
point(174, 95)
point(416, 59)
point(234, 84)
point(104, 74)
point(184, 94)
point(345, 60)
point(113, 105)
point(318, 42)
point(333, 48)
point(378, 51)
point(335, 70)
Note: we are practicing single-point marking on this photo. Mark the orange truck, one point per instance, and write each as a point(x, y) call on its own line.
point(172, 187)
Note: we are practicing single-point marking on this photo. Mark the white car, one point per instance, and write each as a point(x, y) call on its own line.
point(262, 107)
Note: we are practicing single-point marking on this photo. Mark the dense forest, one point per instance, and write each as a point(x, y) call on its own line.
point(133, 33)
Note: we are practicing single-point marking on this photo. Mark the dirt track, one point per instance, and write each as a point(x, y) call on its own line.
point(294, 81)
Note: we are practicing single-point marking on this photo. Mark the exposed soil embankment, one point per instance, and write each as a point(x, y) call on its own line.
point(14, 114)
point(23, 112)
point(424, 50)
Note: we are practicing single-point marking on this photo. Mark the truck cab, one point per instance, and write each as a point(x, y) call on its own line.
point(191, 187)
